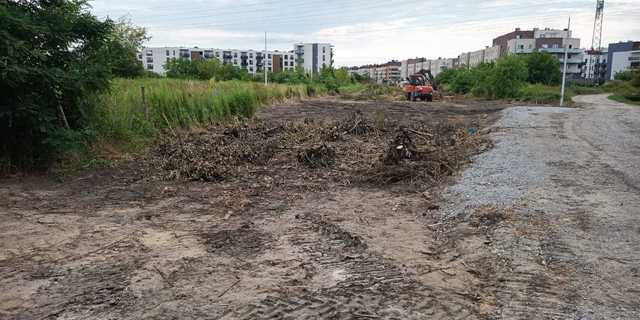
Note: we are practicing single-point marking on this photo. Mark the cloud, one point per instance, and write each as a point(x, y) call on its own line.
point(363, 32)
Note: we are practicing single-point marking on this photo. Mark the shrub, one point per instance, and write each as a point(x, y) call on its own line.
point(623, 75)
point(204, 69)
point(507, 77)
point(543, 68)
point(53, 55)
point(538, 93)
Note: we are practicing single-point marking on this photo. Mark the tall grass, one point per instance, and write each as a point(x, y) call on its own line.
point(119, 118)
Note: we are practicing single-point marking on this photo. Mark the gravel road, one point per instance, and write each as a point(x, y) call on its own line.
point(572, 178)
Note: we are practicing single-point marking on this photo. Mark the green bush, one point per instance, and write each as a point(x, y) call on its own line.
point(543, 68)
point(204, 69)
point(623, 75)
point(542, 94)
point(508, 76)
point(53, 54)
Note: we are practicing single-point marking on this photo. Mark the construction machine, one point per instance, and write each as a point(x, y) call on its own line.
point(421, 86)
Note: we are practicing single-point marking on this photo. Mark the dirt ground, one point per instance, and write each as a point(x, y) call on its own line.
point(301, 236)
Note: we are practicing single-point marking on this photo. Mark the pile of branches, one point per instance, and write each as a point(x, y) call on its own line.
point(218, 153)
point(418, 156)
point(352, 150)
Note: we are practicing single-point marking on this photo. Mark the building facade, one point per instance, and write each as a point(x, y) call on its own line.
point(313, 56)
point(254, 61)
point(594, 64)
point(388, 73)
point(622, 56)
point(552, 41)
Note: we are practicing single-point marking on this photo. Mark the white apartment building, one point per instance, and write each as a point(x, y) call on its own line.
point(412, 66)
point(313, 56)
point(254, 61)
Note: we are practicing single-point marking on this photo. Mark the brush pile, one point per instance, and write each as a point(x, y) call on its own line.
point(347, 151)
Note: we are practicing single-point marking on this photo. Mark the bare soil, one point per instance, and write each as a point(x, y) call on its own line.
point(324, 209)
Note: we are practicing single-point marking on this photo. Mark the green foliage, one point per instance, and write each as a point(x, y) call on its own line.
point(543, 68)
point(623, 75)
point(635, 78)
point(52, 55)
point(447, 76)
point(288, 76)
point(204, 69)
point(124, 42)
point(119, 118)
point(508, 76)
point(542, 94)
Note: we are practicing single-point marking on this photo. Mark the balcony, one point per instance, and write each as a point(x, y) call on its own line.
point(561, 50)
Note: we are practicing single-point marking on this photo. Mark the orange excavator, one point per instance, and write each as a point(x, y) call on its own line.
point(420, 86)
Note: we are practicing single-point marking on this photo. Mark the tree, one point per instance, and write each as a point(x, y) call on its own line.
point(508, 76)
point(204, 69)
point(125, 41)
point(543, 68)
point(50, 60)
point(342, 77)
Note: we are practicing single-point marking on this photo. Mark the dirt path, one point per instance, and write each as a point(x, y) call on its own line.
point(571, 179)
point(541, 226)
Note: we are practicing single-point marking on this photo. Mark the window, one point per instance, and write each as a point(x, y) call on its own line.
point(218, 54)
point(251, 69)
point(250, 61)
point(250, 54)
point(149, 60)
point(168, 59)
point(555, 46)
point(149, 53)
point(323, 48)
point(522, 46)
point(269, 68)
point(323, 58)
point(235, 61)
point(167, 52)
point(570, 46)
point(269, 56)
point(149, 67)
point(235, 54)
point(174, 52)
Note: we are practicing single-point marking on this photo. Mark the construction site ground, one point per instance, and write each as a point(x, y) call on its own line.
point(362, 210)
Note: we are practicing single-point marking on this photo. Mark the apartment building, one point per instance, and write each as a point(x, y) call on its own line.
point(254, 61)
point(388, 73)
point(622, 56)
point(313, 56)
point(552, 41)
point(412, 66)
point(594, 64)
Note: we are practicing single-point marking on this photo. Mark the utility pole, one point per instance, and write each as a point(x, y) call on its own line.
point(266, 81)
point(564, 69)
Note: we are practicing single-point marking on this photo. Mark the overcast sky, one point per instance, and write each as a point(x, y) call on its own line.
point(366, 31)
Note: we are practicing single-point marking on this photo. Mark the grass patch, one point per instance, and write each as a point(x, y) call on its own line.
point(119, 121)
point(542, 94)
point(623, 99)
